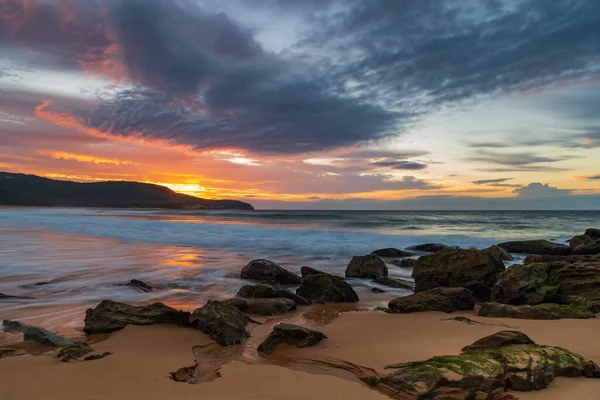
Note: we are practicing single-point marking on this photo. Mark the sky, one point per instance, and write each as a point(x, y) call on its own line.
point(310, 104)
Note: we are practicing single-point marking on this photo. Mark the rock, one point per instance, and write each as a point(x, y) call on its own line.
point(36, 333)
point(269, 292)
point(391, 252)
point(579, 240)
point(223, 322)
point(405, 262)
point(438, 299)
point(431, 247)
point(397, 283)
point(110, 316)
point(540, 311)
point(306, 271)
point(588, 249)
point(499, 253)
point(74, 352)
point(144, 287)
point(377, 290)
point(536, 258)
point(499, 339)
point(199, 373)
point(471, 269)
point(485, 369)
point(97, 356)
point(369, 266)
point(593, 233)
point(536, 247)
point(299, 336)
point(262, 306)
point(327, 289)
point(268, 271)
point(548, 283)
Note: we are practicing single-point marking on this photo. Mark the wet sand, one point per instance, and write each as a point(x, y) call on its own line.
point(358, 343)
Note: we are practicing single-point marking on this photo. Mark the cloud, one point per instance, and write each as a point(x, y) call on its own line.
point(400, 165)
point(513, 159)
point(539, 190)
point(524, 168)
point(488, 181)
point(588, 177)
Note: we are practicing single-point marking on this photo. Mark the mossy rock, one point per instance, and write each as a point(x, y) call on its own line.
point(270, 272)
point(36, 334)
point(524, 284)
point(535, 247)
point(369, 266)
point(475, 270)
point(517, 363)
point(438, 299)
point(290, 334)
point(223, 322)
point(540, 311)
point(327, 288)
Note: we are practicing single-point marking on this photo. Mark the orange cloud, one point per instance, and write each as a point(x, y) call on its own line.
point(61, 155)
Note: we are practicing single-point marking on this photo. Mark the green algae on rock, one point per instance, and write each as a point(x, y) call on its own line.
point(507, 359)
point(369, 266)
point(36, 333)
point(540, 311)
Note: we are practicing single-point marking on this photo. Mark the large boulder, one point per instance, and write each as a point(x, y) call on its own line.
point(431, 247)
point(326, 288)
point(269, 292)
point(391, 253)
point(290, 334)
point(570, 259)
point(36, 333)
point(499, 253)
point(509, 360)
point(262, 306)
point(397, 283)
point(593, 233)
point(270, 272)
point(536, 247)
point(552, 282)
point(540, 311)
point(222, 321)
point(439, 299)
point(306, 271)
point(110, 316)
point(404, 262)
point(472, 269)
point(369, 266)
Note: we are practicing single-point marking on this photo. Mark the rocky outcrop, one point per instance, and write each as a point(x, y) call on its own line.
point(536, 247)
point(270, 272)
point(593, 233)
point(36, 333)
point(553, 282)
point(472, 269)
point(306, 271)
point(438, 299)
point(570, 259)
point(586, 244)
point(540, 311)
point(391, 253)
point(290, 334)
point(269, 292)
point(223, 322)
point(404, 263)
point(137, 284)
point(499, 253)
point(74, 352)
point(449, 393)
point(369, 266)
point(503, 360)
point(327, 289)
point(262, 306)
point(431, 247)
point(397, 283)
point(110, 316)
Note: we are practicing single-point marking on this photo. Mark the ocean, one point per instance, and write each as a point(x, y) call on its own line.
point(71, 259)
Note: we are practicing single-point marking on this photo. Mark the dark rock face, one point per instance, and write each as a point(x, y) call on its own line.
point(593, 233)
point(391, 252)
point(536, 247)
point(540, 311)
point(438, 299)
point(499, 253)
point(586, 244)
point(450, 393)
point(471, 269)
point(269, 292)
point(397, 283)
point(327, 289)
point(262, 306)
point(268, 271)
point(36, 333)
point(223, 322)
point(431, 247)
point(369, 266)
point(306, 271)
point(570, 259)
point(144, 287)
point(110, 316)
point(74, 352)
point(553, 282)
point(484, 369)
point(405, 262)
point(291, 334)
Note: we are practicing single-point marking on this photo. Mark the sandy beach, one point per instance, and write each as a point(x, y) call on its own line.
point(358, 343)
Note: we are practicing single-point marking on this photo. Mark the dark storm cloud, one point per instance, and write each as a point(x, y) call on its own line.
point(400, 165)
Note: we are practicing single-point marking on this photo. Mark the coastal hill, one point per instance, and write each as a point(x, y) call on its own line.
point(32, 190)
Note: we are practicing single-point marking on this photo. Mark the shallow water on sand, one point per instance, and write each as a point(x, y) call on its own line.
point(71, 259)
